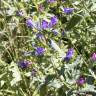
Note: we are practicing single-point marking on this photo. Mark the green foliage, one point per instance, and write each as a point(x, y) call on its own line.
point(50, 74)
point(73, 21)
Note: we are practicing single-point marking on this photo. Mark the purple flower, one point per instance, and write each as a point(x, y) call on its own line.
point(33, 72)
point(93, 57)
point(39, 51)
point(19, 13)
point(24, 64)
point(44, 24)
point(51, 1)
point(69, 54)
point(29, 22)
point(81, 81)
point(53, 21)
point(39, 35)
point(68, 10)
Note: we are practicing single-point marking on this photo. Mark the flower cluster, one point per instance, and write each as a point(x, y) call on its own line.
point(68, 10)
point(45, 24)
point(39, 51)
point(24, 63)
point(93, 57)
point(50, 24)
point(81, 81)
point(29, 23)
point(69, 54)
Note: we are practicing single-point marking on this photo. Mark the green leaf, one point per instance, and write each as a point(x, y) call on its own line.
point(56, 84)
point(15, 73)
point(76, 18)
point(43, 90)
point(49, 78)
point(88, 88)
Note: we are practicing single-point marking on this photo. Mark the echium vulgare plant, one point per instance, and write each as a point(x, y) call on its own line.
point(47, 48)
